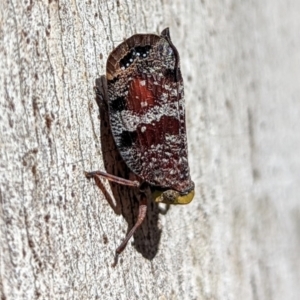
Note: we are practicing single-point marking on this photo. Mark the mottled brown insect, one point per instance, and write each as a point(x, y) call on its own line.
point(147, 118)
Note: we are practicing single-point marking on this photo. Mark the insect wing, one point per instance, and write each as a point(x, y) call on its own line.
point(146, 108)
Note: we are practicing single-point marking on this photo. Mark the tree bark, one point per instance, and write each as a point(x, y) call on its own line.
point(238, 239)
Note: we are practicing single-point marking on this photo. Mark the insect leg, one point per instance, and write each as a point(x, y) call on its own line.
point(113, 178)
point(141, 218)
point(101, 90)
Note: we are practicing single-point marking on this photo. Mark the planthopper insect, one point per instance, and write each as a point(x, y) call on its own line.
point(145, 99)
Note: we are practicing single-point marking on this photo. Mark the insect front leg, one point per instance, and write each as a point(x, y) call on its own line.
point(112, 178)
point(101, 90)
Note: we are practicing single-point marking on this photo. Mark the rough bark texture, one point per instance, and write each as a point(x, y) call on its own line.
point(239, 238)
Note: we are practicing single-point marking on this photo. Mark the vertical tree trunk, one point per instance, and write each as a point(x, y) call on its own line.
point(238, 239)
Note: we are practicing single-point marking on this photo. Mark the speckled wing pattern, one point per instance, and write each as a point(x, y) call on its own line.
point(146, 108)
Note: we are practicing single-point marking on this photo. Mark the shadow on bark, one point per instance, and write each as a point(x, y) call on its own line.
point(126, 199)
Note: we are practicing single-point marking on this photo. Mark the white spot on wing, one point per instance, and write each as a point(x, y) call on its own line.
point(130, 119)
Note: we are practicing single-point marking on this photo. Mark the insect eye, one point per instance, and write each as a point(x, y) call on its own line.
point(142, 51)
point(170, 51)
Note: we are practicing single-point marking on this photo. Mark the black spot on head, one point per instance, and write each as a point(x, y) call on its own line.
point(137, 52)
point(128, 59)
point(142, 52)
point(127, 138)
point(118, 104)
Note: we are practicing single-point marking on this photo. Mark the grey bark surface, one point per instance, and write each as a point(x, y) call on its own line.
point(238, 239)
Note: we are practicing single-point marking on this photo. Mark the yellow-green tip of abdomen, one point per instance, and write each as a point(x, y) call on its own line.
point(173, 197)
point(186, 199)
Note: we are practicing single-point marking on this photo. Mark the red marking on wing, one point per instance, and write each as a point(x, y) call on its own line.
point(154, 134)
point(140, 97)
point(146, 92)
